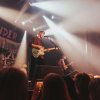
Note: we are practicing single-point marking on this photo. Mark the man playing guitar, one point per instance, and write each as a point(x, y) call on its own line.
point(36, 43)
point(37, 52)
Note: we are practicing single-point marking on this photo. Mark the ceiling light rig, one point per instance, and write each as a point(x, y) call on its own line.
point(52, 17)
point(23, 23)
point(34, 29)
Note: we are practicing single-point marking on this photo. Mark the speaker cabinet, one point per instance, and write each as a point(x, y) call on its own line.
point(42, 70)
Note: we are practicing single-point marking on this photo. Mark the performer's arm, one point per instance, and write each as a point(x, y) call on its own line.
point(37, 46)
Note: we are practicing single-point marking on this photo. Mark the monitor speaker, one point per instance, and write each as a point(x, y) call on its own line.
point(42, 70)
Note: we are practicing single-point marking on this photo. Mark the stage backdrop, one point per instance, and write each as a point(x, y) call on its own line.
point(10, 39)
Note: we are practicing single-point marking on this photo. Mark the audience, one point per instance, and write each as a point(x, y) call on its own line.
point(81, 82)
point(94, 89)
point(13, 84)
point(54, 88)
point(71, 87)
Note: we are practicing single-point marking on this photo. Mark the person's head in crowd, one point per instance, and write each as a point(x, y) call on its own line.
point(94, 89)
point(81, 82)
point(54, 88)
point(71, 87)
point(13, 84)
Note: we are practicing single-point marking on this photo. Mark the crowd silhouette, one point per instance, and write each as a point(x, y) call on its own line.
point(14, 85)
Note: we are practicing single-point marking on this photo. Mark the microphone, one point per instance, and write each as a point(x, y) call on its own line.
point(46, 36)
point(51, 36)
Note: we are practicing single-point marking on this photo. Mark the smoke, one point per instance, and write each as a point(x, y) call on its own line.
point(84, 16)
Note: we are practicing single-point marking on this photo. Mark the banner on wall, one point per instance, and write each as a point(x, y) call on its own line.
point(10, 39)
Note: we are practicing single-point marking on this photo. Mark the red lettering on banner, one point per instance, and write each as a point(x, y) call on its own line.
point(5, 32)
point(8, 33)
point(14, 36)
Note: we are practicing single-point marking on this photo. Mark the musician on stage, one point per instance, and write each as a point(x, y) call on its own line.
point(36, 44)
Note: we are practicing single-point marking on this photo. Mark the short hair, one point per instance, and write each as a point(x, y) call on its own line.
point(13, 84)
point(82, 81)
point(54, 88)
point(41, 32)
point(94, 89)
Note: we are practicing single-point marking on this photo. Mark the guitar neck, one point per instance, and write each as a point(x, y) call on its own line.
point(38, 52)
point(49, 49)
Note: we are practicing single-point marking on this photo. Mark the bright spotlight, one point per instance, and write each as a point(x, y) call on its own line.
point(14, 17)
point(23, 23)
point(34, 29)
point(52, 17)
point(22, 53)
point(25, 33)
point(56, 29)
point(31, 4)
point(56, 7)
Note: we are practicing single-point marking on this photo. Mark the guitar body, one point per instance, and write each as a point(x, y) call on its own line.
point(37, 52)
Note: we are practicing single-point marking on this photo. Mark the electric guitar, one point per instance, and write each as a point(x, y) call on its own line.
point(41, 51)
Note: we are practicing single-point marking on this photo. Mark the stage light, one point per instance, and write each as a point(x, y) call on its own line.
point(11, 16)
point(23, 23)
point(34, 29)
point(77, 16)
point(51, 6)
point(52, 17)
point(21, 57)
